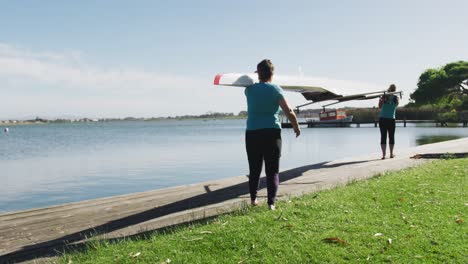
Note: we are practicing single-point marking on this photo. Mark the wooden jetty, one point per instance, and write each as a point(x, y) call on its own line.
point(311, 124)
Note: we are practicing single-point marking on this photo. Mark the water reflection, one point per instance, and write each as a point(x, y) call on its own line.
point(422, 140)
point(60, 163)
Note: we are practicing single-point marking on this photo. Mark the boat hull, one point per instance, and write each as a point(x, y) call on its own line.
point(343, 122)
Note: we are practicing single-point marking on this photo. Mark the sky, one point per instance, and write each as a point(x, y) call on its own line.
point(159, 58)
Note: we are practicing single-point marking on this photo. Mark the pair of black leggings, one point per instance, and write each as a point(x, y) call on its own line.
point(387, 125)
point(263, 145)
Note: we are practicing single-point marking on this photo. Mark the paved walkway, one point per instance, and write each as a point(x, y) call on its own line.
point(39, 233)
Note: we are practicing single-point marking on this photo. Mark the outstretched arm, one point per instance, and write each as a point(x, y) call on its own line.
point(291, 115)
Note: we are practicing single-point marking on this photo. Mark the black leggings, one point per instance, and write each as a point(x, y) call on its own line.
point(387, 124)
point(263, 145)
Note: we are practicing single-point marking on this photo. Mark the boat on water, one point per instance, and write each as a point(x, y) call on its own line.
point(331, 118)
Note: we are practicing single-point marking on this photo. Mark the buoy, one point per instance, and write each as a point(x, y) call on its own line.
point(6, 130)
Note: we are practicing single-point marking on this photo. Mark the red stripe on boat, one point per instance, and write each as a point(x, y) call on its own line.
point(217, 78)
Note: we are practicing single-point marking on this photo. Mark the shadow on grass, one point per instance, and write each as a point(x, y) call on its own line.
point(76, 241)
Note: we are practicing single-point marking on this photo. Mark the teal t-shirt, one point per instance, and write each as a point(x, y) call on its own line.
point(263, 106)
point(389, 107)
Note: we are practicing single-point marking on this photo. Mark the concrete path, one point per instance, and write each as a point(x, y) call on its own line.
point(39, 233)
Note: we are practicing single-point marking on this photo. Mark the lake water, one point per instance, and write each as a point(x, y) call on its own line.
point(42, 165)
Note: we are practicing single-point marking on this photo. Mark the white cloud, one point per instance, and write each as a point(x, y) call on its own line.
point(69, 70)
point(63, 83)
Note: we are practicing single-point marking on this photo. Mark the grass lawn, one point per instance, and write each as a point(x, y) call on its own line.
point(416, 215)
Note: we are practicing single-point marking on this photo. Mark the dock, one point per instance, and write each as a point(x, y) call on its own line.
point(45, 232)
point(404, 122)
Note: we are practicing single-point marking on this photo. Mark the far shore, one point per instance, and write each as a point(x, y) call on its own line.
point(29, 122)
point(207, 116)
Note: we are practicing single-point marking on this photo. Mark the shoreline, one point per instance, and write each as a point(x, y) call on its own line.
point(19, 122)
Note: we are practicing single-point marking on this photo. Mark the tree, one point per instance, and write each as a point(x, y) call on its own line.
point(242, 113)
point(434, 84)
point(457, 76)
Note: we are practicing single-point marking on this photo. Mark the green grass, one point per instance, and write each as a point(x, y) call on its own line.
point(415, 215)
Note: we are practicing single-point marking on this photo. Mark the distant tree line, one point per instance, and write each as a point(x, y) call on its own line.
point(209, 115)
point(404, 113)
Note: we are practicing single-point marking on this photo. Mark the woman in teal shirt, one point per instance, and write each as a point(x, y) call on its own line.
point(388, 105)
point(263, 134)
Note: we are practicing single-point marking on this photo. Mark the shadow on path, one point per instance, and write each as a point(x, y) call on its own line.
point(54, 247)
